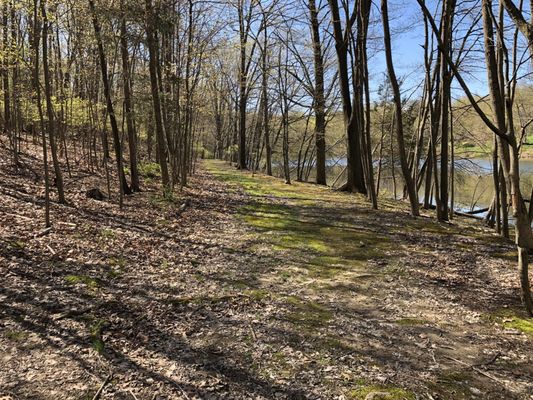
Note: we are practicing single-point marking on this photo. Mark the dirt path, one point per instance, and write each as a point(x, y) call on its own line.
point(257, 290)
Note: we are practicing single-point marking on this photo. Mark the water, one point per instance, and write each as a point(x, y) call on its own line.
point(473, 181)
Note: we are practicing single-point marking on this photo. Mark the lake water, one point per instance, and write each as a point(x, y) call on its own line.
point(473, 181)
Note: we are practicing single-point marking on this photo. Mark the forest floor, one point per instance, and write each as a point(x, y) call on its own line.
point(253, 290)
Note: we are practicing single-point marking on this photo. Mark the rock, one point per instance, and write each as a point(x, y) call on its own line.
point(95, 194)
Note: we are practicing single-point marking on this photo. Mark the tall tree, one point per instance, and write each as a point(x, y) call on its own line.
point(154, 85)
point(319, 98)
point(408, 179)
point(128, 103)
point(50, 107)
point(355, 181)
point(123, 184)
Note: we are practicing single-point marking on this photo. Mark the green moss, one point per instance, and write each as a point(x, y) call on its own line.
point(107, 233)
point(411, 321)
point(90, 283)
point(18, 245)
point(508, 256)
point(307, 314)
point(522, 324)
point(381, 393)
point(16, 336)
point(512, 319)
point(453, 384)
point(257, 294)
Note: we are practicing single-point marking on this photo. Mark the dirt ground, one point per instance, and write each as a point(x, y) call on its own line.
point(241, 287)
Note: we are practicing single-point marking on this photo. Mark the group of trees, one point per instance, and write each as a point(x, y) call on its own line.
point(73, 72)
point(260, 83)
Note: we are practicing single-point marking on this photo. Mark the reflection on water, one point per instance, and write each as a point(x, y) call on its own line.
point(473, 181)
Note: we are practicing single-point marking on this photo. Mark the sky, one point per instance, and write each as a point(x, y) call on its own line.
point(408, 54)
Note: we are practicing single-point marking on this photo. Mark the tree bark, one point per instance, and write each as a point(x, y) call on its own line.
point(156, 101)
point(123, 184)
point(409, 183)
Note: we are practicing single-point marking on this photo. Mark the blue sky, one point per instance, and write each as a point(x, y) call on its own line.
point(408, 36)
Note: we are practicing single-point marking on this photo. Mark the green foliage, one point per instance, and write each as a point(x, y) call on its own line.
point(231, 151)
point(96, 327)
point(107, 233)
point(149, 170)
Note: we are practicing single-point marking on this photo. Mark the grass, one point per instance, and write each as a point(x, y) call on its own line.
point(307, 314)
point(331, 244)
point(16, 336)
point(524, 325)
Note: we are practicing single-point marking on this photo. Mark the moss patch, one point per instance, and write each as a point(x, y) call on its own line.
point(377, 392)
point(307, 314)
point(411, 321)
point(512, 319)
point(90, 283)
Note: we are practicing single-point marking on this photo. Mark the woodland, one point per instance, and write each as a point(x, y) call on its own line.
point(266, 199)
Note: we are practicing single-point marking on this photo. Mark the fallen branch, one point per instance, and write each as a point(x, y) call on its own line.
point(43, 232)
point(72, 313)
point(473, 367)
point(253, 331)
point(101, 389)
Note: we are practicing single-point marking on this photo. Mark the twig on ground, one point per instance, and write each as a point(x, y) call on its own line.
point(479, 371)
point(43, 232)
point(253, 331)
point(51, 250)
point(102, 386)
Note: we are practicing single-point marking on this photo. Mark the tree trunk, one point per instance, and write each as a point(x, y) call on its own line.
point(50, 110)
point(123, 184)
point(409, 183)
point(128, 105)
point(355, 182)
point(319, 100)
point(156, 101)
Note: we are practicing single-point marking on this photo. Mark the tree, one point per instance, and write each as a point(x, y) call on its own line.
point(356, 181)
point(156, 101)
point(408, 179)
point(128, 104)
point(50, 107)
point(319, 98)
point(123, 184)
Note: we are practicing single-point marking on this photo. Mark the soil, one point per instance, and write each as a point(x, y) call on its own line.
point(241, 287)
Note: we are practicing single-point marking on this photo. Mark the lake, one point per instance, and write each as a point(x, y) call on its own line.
point(473, 181)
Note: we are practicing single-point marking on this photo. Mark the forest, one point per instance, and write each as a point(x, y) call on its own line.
point(266, 199)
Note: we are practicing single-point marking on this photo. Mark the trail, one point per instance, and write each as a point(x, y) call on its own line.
point(256, 290)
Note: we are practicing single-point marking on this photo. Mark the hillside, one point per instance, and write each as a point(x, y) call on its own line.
point(243, 287)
